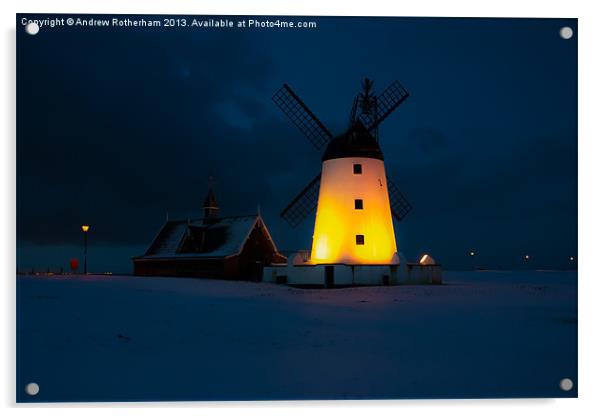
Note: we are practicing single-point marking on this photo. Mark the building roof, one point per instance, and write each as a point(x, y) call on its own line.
point(355, 142)
point(210, 200)
point(223, 237)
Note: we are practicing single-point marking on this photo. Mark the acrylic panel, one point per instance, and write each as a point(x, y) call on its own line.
point(295, 208)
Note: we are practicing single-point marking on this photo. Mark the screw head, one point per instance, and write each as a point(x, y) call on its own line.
point(566, 384)
point(566, 32)
point(32, 28)
point(32, 389)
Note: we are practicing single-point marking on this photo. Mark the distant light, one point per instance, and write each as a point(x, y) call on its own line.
point(472, 253)
point(85, 228)
point(572, 258)
point(526, 257)
point(427, 260)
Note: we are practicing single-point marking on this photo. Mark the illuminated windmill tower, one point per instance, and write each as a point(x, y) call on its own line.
point(354, 200)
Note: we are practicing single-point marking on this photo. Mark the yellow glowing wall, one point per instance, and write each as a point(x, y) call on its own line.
point(338, 222)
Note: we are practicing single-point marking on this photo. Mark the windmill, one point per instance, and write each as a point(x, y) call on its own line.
point(353, 198)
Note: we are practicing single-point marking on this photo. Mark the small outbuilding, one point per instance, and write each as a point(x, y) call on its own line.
point(426, 270)
point(236, 247)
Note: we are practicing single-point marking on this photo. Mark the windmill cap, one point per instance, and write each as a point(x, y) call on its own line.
point(355, 142)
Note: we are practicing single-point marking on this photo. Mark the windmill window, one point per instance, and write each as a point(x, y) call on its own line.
point(357, 169)
point(359, 239)
point(359, 204)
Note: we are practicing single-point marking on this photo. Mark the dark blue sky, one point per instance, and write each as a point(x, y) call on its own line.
point(116, 126)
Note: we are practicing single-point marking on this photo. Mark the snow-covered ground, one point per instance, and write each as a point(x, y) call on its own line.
point(481, 334)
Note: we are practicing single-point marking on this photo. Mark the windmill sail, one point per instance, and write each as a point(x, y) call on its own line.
point(302, 117)
point(388, 101)
point(303, 204)
point(400, 207)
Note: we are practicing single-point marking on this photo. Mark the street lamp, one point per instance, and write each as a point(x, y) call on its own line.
point(85, 229)
point(472, 254)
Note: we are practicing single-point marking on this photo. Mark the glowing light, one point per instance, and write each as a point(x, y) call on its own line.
point(426, 260)
point(472, 253)
point(572, 258)
point(338, 222)
point(526, 257)
point(321, 248)
point(85, 228)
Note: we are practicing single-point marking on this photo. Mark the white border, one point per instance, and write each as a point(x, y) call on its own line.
point(590, 209)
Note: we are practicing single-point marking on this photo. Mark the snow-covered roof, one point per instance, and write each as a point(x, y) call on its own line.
point(223, 237)
point(169, 238)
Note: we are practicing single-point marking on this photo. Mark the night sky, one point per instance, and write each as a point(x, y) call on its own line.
point(115, 127)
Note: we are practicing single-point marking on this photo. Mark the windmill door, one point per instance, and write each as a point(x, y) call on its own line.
point(329, 276)
point(257, 271)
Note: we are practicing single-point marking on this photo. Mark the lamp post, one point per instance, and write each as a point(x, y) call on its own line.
point(472, 254)
point(85, 229)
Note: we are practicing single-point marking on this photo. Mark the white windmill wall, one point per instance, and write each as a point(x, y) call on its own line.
point(343, 275)
point(338, 222)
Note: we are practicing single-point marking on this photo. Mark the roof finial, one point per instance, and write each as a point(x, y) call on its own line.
point(210, 207)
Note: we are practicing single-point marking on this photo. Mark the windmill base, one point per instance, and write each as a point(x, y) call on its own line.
point(341, 275)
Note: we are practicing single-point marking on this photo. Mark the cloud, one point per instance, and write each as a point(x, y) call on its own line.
point(114, 135)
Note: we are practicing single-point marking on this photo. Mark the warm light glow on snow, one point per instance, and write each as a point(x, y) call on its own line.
point(338, 222)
